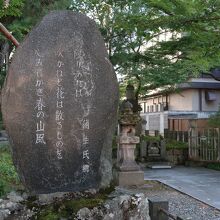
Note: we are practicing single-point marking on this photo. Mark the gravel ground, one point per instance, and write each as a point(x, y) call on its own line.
point(180, 204)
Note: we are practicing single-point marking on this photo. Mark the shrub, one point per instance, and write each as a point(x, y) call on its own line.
point(214, 120)
point(149, 138)
point(173, 144)
point(214, 166)
point(8, 176)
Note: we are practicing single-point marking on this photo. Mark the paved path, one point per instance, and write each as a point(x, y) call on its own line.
point(200, 183)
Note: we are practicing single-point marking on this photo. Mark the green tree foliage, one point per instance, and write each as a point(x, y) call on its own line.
point(154, 42)
point(214, 120)
point(12, 10)
point(19, 17)
point(161, 42)
point(194, 45)
point(122, 44)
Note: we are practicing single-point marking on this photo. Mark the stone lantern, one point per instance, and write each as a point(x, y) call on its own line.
point(129, 171)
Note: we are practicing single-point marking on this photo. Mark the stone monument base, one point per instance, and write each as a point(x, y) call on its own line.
point(130, 178)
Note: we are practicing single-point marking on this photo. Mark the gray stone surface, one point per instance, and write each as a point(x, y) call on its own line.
point(154, 207)
point(59, 106)
point(3, 138)
point(130, 178)
point(7, 207)
point(200, 183)
point(129, 207)
point(13, 207)
point(44, 199)
point(15, 197)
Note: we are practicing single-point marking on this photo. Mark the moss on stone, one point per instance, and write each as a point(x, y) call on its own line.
point(48, 214)
point(67, 208)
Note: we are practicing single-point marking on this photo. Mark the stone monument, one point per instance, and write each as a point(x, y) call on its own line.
point(136, 108)
point(59, 106)
point(130, 96)
point(129, 171)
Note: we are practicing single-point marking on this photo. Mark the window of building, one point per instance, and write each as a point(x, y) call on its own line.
point(210, 96)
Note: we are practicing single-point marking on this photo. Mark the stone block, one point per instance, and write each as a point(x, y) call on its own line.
point(154, 206)
point(130, 178)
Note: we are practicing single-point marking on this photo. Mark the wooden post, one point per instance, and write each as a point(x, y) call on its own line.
point(218, 144)
point(189, 143)
point(8, 35)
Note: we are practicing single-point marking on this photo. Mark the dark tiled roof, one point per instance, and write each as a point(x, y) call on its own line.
point(199, 85)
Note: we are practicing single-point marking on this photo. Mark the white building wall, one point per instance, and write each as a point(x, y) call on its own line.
point(195, 99)
point(157, 121)
point(183, 101)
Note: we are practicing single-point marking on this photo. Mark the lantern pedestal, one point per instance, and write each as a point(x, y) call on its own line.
point(129, 172)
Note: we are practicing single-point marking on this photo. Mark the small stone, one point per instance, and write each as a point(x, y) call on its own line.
point(15, 197)
point(111, 215)
point(84, 213)
point(2, 206)
point(139, 195)
point(123, 198)
point(96, 213)
point(49, 198)
point(107, 206)
point(12, 206)
point(4, 213)
point(91, 191)
point(25, 196)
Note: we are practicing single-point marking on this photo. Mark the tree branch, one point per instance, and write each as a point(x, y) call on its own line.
point(139, 87)
point(216, 78)
point(203, 18)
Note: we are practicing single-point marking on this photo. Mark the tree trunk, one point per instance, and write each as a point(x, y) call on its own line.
point(138, 88)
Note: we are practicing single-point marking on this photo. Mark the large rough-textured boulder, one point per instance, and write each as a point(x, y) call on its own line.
point(129, 207)
point(59, 106)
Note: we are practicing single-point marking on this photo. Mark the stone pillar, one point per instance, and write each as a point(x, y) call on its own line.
point(154, 209)
point(193, 147)
point(162, 124)
point(129, 171)
point(127, 143)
